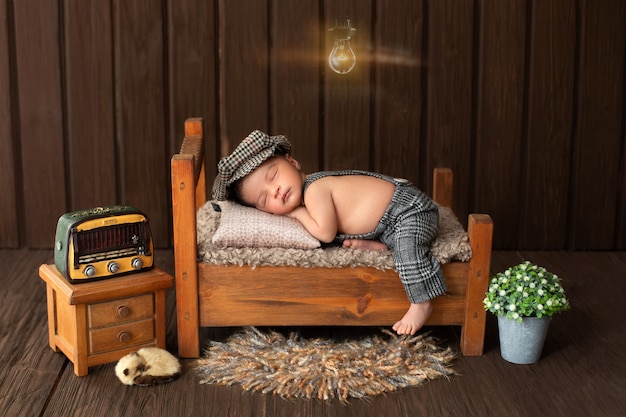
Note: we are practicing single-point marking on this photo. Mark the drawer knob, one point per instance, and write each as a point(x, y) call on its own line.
point(123, 311)
point(123, 337)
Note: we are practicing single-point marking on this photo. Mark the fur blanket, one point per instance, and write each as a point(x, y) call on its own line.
point(451, 244)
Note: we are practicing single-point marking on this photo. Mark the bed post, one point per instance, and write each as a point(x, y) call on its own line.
point(480, 231)
point(188, 190)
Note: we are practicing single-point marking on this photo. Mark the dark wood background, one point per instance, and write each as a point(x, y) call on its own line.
point(524, 99)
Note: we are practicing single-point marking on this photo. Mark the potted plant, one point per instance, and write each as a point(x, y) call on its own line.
point(524, 297)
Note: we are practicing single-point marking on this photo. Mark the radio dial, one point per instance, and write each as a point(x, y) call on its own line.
point(89, 271)
point(136, 263)
point(113, 267)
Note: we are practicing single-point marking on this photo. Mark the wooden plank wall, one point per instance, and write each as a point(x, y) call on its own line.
point(524, 99)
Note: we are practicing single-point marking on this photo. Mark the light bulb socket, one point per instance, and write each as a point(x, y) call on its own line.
point(343, 32)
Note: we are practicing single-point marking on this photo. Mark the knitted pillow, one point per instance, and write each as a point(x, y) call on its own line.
point(242, 226)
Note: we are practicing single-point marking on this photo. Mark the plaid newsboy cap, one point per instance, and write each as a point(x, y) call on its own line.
point(247, 156)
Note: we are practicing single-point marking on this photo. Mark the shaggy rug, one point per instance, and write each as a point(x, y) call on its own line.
point(294, 367)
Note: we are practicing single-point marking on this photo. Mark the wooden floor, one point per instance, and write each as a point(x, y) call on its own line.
point(582, 371)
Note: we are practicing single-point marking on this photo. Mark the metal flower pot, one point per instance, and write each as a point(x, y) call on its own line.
point(522, 343)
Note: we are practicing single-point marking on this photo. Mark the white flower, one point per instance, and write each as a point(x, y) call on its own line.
point(525, 294)
point(544, 281)
point(516, 316)
point(532, 285)
point(549, 303)
point(520, 288)
point(502, 293)
point(540, 307)
point(496, 306)
point(507, 272)
point(512, 307)
point(540, 291)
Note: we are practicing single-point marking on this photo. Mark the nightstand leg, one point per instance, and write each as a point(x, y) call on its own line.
point(52, 323)
point(81, 366)
point(159, 319)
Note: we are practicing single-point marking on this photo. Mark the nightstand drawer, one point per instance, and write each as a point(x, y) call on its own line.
point(121, 310)
point(124, 335)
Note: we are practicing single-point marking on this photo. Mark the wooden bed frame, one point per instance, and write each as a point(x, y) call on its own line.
point(223, 296)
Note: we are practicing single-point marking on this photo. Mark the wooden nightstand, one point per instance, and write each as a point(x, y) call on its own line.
point(99, 322)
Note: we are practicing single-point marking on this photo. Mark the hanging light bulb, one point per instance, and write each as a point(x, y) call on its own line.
point(342, 58)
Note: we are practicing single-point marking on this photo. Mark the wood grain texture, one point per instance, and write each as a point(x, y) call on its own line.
point(295, 68)
point(9, 222)
point(347, 109)
point(287, 296)
point(192, 72)
point(90, 106)
point(38, 64)
point(26, 356)
point(524, 100)
point(185, 252)
point(583, 351)
point(480, 232)
point(499, 110)
point(243, 70)
point(450, 71)
point(140, 99)
point(399, 64)
point(599, 132)
point(544, 197)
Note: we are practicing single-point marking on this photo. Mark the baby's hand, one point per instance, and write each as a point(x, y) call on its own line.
point(294, 213)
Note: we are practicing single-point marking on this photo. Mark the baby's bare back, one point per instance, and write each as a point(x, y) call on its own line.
point(360, 201)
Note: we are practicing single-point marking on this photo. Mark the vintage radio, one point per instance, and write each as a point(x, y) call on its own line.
point(102, 242)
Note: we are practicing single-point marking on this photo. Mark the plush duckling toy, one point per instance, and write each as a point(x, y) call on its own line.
point(148, 366)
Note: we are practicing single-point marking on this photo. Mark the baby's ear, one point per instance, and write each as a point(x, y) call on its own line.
point(292, 161)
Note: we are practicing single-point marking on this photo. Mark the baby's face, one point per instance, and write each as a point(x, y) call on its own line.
point(275, 186)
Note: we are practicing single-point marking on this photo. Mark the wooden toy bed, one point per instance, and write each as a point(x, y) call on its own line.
point(216, 295)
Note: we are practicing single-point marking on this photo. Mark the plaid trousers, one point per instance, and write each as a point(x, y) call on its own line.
point(408, 227)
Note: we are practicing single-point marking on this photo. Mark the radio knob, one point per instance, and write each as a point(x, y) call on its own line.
point(136, 263)
point(89, 271)
point(113, 267)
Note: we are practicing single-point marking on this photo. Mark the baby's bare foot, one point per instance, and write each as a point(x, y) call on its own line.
point(414, 318)
point(364, 244)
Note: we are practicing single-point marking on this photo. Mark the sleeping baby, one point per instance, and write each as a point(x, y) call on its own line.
point(363, 209)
